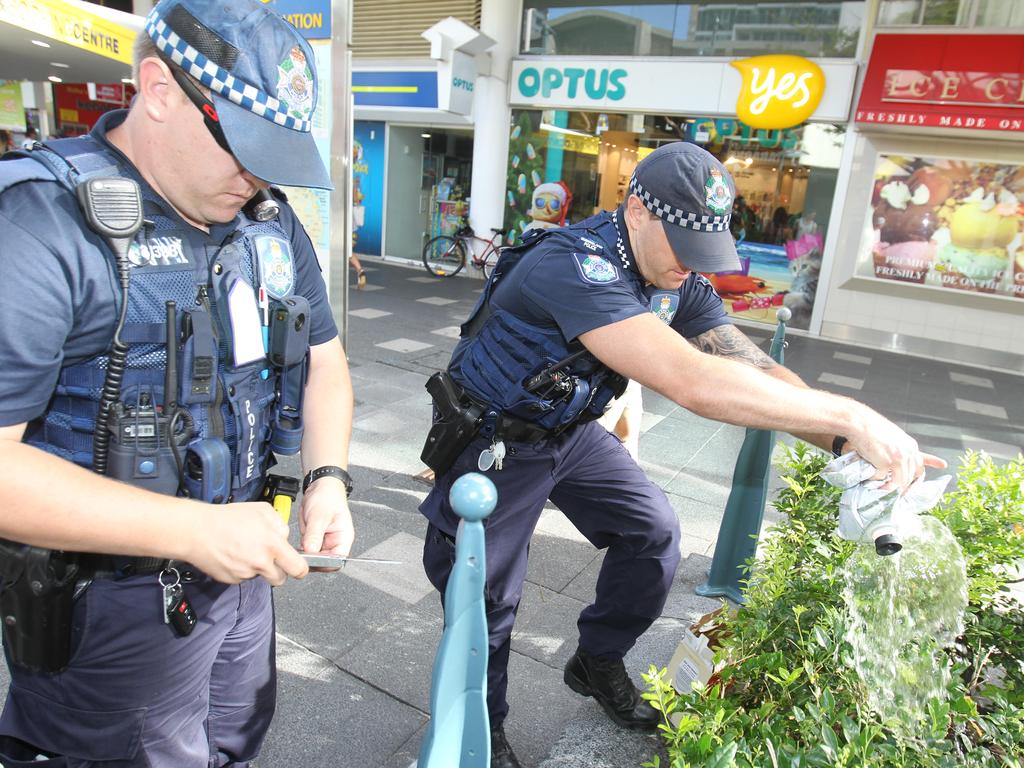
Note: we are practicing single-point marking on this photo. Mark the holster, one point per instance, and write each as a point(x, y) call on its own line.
point(456, 421)
point(36, 606)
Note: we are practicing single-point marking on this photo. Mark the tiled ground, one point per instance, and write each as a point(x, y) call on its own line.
point(356, 648)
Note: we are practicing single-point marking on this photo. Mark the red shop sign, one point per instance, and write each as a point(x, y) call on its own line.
point(934, 80)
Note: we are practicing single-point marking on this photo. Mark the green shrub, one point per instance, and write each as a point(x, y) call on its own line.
point(786, 695)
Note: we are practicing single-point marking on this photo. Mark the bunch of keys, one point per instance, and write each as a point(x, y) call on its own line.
point(492, 457)
point(178, 611)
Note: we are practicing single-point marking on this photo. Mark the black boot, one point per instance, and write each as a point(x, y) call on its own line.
point(606, 680)
point(502, 755)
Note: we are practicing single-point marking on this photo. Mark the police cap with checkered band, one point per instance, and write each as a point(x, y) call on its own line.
point(692, 193)
point(261, 76)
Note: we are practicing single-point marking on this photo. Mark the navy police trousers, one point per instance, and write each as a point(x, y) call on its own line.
point(592, 479)
point(135, 695)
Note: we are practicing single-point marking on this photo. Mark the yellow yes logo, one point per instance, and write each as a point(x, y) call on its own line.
point(778, 91)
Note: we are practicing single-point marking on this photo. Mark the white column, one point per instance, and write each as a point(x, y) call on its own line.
point(499, 20)
point(43, 95)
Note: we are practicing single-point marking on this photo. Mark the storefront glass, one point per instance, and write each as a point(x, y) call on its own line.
point(428, 176)
point(961, 13)
point(814, 28)
point(945, 224)
point(565, 166)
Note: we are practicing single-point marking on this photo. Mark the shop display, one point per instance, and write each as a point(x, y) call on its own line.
point(562, 167)
point(550, 202)
point(946, 223)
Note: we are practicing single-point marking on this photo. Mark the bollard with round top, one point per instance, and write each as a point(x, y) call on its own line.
point(458, 735)
point(744, 511)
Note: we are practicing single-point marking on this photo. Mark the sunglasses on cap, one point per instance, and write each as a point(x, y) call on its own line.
point(202, 103)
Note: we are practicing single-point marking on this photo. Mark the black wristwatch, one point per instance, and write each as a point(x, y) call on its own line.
point(328, 471)
point(837, 445)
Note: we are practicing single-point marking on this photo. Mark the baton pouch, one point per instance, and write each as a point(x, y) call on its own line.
point(36, 606)
point(455, 424)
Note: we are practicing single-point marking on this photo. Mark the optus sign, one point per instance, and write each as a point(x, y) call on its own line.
point(572, 82)
point(778, 91)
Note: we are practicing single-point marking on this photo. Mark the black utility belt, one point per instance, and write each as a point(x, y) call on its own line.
point(515, 430)
point(458, 418)
point(123, 566)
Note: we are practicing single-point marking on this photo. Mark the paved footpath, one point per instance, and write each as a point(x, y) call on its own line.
point(356, 648)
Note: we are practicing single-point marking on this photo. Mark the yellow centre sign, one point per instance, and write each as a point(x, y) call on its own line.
point(778, 91)
point(72, 25)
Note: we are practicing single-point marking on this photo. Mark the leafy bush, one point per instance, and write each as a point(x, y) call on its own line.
point(786, 695)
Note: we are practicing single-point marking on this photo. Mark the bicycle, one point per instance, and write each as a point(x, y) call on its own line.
point(445, 255)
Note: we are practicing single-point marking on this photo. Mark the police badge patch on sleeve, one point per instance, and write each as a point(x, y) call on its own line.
point(664, 305)
point(595, 269)
point(277, 267)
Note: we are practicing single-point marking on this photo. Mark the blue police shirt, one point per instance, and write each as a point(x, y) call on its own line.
point(575, 282)
point(61, 290)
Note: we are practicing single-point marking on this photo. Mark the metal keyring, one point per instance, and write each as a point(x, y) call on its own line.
point(177, 577)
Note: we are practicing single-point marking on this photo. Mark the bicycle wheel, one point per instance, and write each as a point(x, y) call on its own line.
point(489, 262)
point(444, 256)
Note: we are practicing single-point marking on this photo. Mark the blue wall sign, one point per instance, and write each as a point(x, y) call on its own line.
point(367, 186)
point(395, 89)
point(311, 17)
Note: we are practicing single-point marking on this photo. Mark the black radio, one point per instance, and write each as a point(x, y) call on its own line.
point(143, 444)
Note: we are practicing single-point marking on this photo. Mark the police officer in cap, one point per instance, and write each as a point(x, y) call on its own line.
point(168, 657)
point(565, 318)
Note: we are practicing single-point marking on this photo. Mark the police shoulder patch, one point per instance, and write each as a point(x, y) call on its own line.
point(591, 244)
point(595, 269)
point(277, 267)
point(664, 305)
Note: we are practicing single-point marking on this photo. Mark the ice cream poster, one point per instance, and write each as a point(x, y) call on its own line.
point(949, 224)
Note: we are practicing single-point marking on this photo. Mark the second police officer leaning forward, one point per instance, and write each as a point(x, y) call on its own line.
point(564, 319)
point(135, 689)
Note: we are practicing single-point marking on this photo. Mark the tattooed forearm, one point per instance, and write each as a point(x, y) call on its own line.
point(730, 341)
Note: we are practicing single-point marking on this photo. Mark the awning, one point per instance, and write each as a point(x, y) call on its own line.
point(93, 43)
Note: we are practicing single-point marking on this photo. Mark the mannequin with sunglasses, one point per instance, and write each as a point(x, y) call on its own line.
point(551, 202)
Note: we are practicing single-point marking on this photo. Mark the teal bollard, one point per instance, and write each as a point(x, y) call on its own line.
point(744, 511)
point(459, 735)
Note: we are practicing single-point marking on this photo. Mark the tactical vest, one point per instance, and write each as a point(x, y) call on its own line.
point(500, 352)
point(253, 408)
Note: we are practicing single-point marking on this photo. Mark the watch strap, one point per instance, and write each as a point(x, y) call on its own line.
point(328, 471)
point(837, 445)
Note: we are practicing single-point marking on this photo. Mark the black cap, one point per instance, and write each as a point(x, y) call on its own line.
point(692, 193)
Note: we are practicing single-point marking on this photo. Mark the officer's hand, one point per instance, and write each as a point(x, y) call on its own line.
point(893, 452)
point(234, 542)
point(325, 521)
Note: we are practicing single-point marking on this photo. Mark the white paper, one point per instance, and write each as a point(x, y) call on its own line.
point(246, 330)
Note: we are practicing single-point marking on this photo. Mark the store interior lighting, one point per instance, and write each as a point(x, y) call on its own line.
point(560, 129)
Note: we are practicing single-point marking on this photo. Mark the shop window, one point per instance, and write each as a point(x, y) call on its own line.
point(992, 14)
point(945, 224)
point(1000, 14)
point(815, 28)
point(566, 166)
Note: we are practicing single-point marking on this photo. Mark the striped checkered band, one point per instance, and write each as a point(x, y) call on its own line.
point(218, 79)
point(674, 215)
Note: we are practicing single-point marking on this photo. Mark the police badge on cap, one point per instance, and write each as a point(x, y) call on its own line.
point(691, 192)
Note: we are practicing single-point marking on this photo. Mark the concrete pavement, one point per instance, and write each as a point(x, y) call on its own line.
point(356, 648)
